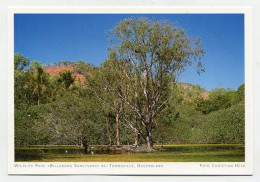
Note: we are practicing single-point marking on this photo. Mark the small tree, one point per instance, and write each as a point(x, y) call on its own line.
point(104, 82)
point(74, 120)
point(149, 55)
point(22, 93)
point(20, 62)
point(39, 79)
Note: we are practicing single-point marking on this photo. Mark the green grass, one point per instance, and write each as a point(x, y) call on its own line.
point(234, 154)
point(149, 157)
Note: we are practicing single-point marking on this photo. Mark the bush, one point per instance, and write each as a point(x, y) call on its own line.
point(225, 126)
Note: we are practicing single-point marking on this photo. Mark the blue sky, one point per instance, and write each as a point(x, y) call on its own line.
point(50, 38)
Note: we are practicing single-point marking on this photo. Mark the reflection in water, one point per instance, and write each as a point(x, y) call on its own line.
point(203, 148)
point(38, 154)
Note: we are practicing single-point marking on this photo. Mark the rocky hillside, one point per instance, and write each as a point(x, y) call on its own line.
point(55, 70)
point(190, 91)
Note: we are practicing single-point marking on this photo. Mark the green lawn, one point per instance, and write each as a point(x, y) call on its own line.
point(174, 153)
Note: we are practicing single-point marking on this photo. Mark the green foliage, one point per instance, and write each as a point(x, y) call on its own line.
point(26, 132)
point(179, 126)
point(182, 122)
point(66, 78)
point(64, 63)
point(77, 115)
point(132, 97)
point(148, 56)
point(218, 99)
point(240, 95)
point(225, 126)
point(21, 128)
point(189, 92)
point(22, 93)
point(82, 67)
point(74, 120)
point(20, 62)
point(39, 81)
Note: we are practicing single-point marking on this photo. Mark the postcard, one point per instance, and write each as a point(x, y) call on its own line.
point(130, 91)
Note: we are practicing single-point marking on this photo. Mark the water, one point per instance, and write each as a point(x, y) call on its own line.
point(39, 154)
point(190, 149)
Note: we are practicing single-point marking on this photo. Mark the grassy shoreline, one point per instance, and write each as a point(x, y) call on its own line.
point(183, 153)
point(156, 145)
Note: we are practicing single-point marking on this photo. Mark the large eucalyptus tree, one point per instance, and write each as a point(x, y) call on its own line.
point(148, 55)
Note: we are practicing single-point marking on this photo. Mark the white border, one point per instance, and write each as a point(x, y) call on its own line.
point(170, 168)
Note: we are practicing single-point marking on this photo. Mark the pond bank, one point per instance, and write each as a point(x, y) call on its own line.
point(179, 153)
